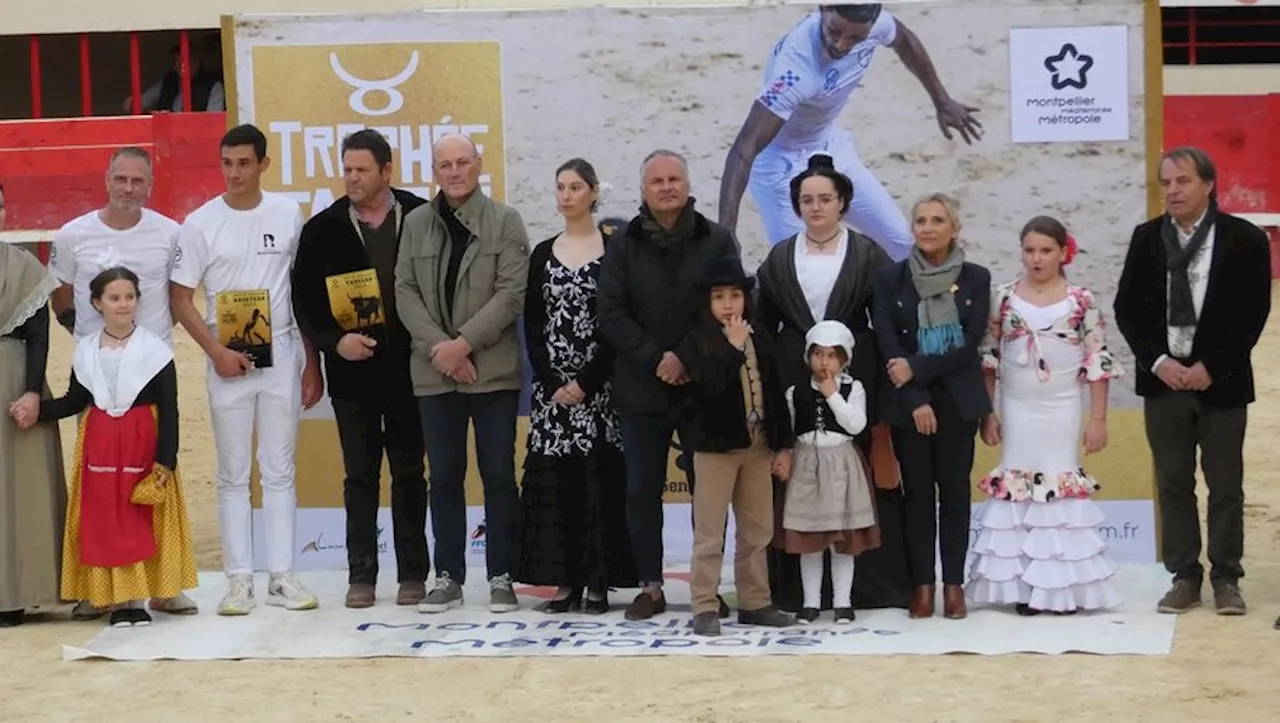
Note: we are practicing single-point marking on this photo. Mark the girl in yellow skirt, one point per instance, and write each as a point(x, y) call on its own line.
point(127, 538)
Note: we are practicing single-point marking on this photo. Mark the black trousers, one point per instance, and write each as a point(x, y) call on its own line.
point(935, 482)
point(1177, 424)
point(365, 429)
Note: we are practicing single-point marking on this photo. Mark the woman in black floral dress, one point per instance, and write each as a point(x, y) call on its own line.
point(573, 518)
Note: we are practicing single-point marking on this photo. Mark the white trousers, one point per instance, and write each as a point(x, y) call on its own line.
point(872, 211)
point(269, 402)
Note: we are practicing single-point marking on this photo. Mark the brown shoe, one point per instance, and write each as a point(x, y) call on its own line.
point(1228, 600)
point(953, 606)
point(360, 595)
point(646, 606)
point(922, 602)
point(411, 593)
point(1183, 596)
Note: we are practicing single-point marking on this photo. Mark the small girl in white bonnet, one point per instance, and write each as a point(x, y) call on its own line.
point(829, 497)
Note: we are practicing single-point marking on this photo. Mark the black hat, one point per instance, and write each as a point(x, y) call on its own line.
point(725, 271)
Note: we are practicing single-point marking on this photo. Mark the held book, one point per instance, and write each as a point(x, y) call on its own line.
point(355, 300)
point(244, 324)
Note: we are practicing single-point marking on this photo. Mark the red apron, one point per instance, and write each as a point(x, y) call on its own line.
point(118, 453)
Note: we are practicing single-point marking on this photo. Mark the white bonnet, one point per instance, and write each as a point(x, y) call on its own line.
point(829, 333)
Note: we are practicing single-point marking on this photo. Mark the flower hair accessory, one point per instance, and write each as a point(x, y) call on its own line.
point(604, 190)
point(1071, 249)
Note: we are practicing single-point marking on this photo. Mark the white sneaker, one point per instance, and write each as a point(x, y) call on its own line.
point(239, 599)
point(285, 591)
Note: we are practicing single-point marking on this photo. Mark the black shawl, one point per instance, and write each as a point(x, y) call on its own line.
point(785, 313)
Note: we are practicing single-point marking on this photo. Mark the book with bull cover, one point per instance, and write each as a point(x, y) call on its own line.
point(355, 299)
point(244, 324)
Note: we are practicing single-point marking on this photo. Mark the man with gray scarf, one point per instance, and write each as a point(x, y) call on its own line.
point(1192, 302)
point(647, 304)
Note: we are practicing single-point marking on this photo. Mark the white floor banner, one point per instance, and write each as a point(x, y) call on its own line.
point(334, 631)
point(321, 535)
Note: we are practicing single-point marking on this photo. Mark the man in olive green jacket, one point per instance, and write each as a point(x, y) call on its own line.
point(460, 284)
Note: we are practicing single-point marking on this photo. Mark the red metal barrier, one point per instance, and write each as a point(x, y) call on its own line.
point(1242, 135)
point(54, 170)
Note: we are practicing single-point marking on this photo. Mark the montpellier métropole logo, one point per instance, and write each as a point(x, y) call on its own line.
point(363, 87)
point(1069, 68)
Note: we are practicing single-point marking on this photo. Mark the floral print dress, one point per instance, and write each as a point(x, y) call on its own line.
point(1038, 544)
point(573, 529)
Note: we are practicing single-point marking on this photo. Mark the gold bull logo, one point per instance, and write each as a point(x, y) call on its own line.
point(363, 87)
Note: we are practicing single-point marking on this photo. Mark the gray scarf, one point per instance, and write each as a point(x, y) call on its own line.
point(1182, 309)
point(939, 329)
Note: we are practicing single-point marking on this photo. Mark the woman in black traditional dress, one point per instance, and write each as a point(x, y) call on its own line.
point(573, 531)
point(827, 272)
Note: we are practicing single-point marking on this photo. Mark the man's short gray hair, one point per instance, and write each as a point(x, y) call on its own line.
point(1200, 160)
point(130, 152)
point(662, 153)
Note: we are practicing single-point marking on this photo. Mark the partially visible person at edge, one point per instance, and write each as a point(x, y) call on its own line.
point(740, 434)
point(126, 233)
point(930, 315)
point(367, 365)
point(1192, 302)
point(460, 285)
point(647, 304)
point(827, 273)
point(573, 524)
point(245, 240)
point(31, 474)
point(119, 550)
point(1038, 546)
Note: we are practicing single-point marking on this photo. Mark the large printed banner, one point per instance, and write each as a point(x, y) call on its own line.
point(535, 88)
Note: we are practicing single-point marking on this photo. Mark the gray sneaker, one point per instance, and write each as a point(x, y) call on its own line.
point(445, 595)
point(502, 598)
point(1228, 600)
point(1183, 596)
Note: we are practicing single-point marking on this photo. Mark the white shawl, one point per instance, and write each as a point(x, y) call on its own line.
point(144, 356)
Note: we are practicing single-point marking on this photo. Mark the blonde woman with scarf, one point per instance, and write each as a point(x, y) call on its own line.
point(33, 495)
point(930, 314)
point(127, 538)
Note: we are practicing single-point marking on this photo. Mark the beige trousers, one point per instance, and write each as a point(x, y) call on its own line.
point(742, 479)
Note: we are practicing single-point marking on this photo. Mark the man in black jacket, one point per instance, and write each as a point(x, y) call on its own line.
point(344, 301)
point(1192, 301)
point(647, 304)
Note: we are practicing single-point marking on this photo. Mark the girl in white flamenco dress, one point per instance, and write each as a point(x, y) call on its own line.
point(1038, 547)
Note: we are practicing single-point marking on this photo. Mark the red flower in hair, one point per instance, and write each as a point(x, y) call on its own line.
point(1071, 249)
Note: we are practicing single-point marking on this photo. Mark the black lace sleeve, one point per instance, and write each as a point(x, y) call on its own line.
point(36, 333)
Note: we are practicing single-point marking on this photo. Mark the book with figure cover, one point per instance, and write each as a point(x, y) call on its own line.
point(244, 324)
point(355, 300)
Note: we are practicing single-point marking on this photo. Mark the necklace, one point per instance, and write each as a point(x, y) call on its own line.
point(121, 338)
point(821, 244)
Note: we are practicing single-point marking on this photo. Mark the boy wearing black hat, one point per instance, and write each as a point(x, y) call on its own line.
point(740, 436)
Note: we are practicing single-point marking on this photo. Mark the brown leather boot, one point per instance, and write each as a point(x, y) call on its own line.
point(922, 602)
point(953, 605)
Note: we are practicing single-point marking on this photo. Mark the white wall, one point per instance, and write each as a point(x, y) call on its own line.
point(1221, 79)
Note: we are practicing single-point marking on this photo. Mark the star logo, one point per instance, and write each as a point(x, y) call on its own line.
point(1069, 68)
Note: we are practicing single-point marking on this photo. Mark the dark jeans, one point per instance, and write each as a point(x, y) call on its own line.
point(646, 443)
point(935, 482)
point(444, 429)
point(365, 429)
point(1177, 423)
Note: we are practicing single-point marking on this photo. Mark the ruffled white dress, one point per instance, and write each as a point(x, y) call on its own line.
point(1037, 543)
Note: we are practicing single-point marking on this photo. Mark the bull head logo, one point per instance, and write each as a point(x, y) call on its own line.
point(395, 99)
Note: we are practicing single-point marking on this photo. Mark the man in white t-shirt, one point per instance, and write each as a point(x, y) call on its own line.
point(809, 76)
point(122, 233)
point(240, 248)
